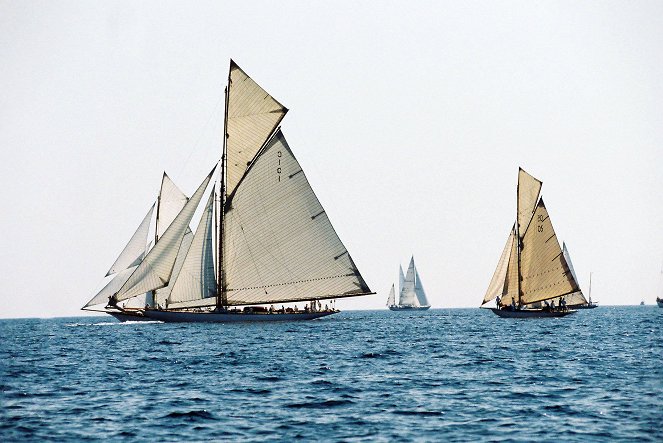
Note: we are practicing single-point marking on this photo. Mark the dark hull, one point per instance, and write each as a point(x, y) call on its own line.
point(659, 302)
point(530, 313)
point(129, 315)
point(592, 306)
point(409, 308)
point(213, 317)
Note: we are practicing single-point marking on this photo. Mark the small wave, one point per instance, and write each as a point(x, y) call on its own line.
point(420, 413)
point(320, 405)
point(371, 355)
point(167, 342)
point(191, 415)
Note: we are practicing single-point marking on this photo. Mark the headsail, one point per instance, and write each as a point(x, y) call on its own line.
point(252, 116)
point(528, 194)
point(279, 244)
point(544, 271)
point(401, 279)
point(162, 294)
point(114, 285)
point(155, 270)
point(419, 289)
point(498, 282)
point(391, 300)
point(134, 251)
point(196, 279)
point(577, 298)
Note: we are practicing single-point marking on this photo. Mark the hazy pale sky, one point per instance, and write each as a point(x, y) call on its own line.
point(410, 119)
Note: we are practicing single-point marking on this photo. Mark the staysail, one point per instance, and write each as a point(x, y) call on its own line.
point(155, 270)
point(196, 279)
point(252, 116)
point(162, 294)
point(497, 283)
point(279, 244)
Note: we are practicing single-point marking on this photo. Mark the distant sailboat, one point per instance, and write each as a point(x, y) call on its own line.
point(532, 268)
point(412, 296)
point(263, 237)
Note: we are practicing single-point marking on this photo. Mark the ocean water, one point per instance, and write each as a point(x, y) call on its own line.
point(440, 375)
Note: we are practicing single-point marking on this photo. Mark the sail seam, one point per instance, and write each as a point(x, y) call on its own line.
point(292, 282)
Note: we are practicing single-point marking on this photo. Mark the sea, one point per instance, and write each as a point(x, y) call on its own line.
point(439, 375)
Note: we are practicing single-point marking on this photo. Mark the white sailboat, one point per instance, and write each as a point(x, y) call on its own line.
point(412, 296)
point(263, 237)
point(532, 268)
point(577, 300)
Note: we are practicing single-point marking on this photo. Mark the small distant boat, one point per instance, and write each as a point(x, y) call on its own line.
point(642, 303)
point(263, 237)
point(412, 296)
point(659, 302)
point(577, 300)
point(532, 268)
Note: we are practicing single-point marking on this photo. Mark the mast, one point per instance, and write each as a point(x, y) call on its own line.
point(221, 297)
point(590, 288)
point(518, 245)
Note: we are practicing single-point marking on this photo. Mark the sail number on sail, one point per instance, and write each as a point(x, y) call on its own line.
point(279, 154)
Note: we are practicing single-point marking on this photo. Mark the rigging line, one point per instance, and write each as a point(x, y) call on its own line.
point(214, 112)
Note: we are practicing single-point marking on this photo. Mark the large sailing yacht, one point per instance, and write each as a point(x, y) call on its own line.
point(412, 296)
point(532, 268)
point(263, 239)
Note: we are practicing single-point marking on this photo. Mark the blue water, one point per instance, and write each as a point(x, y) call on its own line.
point(441, 375)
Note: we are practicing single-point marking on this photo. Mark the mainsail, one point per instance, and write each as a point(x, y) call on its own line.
point(279, 244)
point(408, 296)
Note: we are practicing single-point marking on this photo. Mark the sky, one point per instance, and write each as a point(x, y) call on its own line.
point(410, 119)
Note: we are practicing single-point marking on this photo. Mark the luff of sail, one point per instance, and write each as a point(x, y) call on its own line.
point(252, 116)
point(544, 271)
point(279, 244)
point(134, 251)
point(195, 280)
point(155, 270)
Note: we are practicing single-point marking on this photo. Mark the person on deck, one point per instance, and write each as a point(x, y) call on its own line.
point(498, 300)
point(513, 304)
point(552, 305)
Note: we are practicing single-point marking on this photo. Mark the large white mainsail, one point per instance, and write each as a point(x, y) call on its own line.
point(252, 116)
point(576, 298)
point(408, 296)
point(279, 244)
point(134, 251)
point(196, 280)
point(155, 270)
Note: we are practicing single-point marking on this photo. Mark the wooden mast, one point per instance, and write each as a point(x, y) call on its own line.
point(221, 297)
